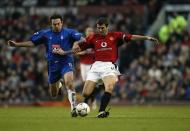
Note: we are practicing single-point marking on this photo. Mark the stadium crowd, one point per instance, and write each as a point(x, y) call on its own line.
point(70, 2)
point(27, 3)
point(160, 74)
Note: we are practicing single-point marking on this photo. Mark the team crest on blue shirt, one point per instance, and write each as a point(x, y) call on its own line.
point(36, 33)
point(61, 37)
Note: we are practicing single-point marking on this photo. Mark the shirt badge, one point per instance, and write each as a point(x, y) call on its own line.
point(61, 37)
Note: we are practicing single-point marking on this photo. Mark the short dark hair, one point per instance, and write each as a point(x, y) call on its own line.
point(102, 20)
point(56, 16)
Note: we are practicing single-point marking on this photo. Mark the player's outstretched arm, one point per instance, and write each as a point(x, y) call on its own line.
point(141, 37)
point(20, 44)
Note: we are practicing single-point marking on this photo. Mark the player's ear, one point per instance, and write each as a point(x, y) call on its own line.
point(63, 23)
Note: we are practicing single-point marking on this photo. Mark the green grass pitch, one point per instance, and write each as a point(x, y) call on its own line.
point(124, 118)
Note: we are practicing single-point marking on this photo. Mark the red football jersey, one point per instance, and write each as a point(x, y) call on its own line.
point(106, 47)
point(88, 58)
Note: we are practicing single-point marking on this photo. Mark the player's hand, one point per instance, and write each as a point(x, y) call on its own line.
point(58, 51)
point(153, 40)
point(11, 43)
point(76, 48)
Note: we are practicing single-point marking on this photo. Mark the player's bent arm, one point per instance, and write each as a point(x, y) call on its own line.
point(20, 44)
point(82, 53)
point(81, 41)
point(76, 45)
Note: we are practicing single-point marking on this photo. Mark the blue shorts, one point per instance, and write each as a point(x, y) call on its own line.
point(57, 69)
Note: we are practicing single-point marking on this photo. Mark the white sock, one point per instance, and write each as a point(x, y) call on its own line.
point(72, 98)
point(60, 85)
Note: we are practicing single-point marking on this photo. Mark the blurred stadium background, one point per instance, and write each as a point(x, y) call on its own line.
point(151, 74)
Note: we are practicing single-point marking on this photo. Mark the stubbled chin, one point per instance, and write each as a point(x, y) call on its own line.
point(103, 34)
point(56, 30)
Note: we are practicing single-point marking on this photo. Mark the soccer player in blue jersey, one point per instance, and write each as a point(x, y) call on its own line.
point(58, 41)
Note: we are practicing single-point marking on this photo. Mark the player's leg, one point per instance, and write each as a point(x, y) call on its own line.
point(68, 79)
point(88, 89)
point(54, 82)
point(60, 90)
point(54, 88)
point(109, 83)
point(54, 76)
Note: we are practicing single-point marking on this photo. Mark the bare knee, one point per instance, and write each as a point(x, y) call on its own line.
point(109, 83)
point(69, 85)
point(109, 88)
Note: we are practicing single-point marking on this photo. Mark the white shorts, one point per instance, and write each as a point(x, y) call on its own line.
point(101, 69)
point(84, 69)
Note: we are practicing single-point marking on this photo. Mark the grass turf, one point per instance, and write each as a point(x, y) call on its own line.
point(126, 118)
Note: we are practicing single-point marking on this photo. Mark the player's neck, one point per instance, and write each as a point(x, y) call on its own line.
point(57, 31)
point(104, 34)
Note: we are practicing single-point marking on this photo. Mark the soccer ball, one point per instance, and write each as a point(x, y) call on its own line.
point(82, 109)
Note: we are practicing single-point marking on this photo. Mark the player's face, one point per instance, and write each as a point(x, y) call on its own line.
point(102, 29)
point(89, 31)
point(56, 25)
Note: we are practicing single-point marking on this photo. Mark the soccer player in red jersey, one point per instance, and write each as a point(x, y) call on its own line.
point(106, 53)
point(86, 61)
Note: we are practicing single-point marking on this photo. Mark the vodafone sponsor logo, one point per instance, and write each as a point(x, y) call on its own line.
point(104, 47)
point(104, 44)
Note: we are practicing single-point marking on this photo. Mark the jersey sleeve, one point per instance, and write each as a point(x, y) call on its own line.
point(88, 43)
point(89, 39)
point(121, 35)
point(38, 38)
point(75, 35)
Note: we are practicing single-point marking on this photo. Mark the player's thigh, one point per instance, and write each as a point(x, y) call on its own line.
point(109, 82)
point(54, 73)
point(88, 87)
point(53, 78)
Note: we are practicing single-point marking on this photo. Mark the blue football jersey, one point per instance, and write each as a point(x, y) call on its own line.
point(63, 39)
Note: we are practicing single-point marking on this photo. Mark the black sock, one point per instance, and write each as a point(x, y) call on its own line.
point(104, 101)
point(86, 99)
